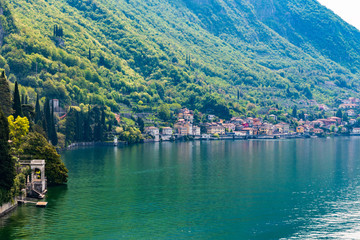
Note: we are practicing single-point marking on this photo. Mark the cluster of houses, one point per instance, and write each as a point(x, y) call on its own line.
point(349, 105)
point(249, 127)
point(183, 127)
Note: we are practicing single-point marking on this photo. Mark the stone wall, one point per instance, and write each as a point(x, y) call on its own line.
point(7, 207)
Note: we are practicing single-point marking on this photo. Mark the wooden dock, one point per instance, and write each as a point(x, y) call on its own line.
point(38, 204)
point(41, 204)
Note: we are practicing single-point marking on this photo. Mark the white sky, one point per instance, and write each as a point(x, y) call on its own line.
point(347, 9)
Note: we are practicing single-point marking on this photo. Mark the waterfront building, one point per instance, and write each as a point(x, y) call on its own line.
point(189, 117)
point(230, 127)
point(248, 131)
point(265, 129)
point(215, 129)
point(356, 130)
point(182, 128)
point(300, 129)
point(196, 131)
point(154, 132)
point(337, 119)
point(167, 131)
point(282, 127)
point(318, 131)
point(36, 185)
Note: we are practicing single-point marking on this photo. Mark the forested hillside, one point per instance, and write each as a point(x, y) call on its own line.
point(213, 56)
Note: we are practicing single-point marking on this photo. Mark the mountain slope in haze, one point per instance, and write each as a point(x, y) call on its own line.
point(196, 53)
point(311, 26)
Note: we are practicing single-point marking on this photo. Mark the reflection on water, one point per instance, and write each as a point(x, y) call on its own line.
point(342, 222)
point(306, 188)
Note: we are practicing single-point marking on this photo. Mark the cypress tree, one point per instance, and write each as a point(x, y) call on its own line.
point(54, 138)
point(87, 128)
point(339, 113)
point(90, 55)
point(37, 110)
point(103, 125)
point(16, 102)
point(238, 94)
point(97, 132)
point(56, 30)
point(47, 116)
point(294, 111)
point(88, 134)
point(7, 164)
point(44, 125)
point(79, 133)
point(97, 127)
point(110, 126)
point(103, 117)
point(70, 126)
point(141, 124)
point(5, 95)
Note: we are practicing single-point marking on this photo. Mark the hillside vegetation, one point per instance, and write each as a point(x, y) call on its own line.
point(213, 56)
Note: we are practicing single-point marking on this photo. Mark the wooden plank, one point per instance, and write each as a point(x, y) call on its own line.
point(41, 204)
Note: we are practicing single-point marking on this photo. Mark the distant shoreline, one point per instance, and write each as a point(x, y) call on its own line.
point(74, 146)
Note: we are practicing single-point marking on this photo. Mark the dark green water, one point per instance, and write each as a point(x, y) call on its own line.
point(300, 189)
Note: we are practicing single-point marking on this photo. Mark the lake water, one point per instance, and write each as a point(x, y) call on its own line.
point(290, 189)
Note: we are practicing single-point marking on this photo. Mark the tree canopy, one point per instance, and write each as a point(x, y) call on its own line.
point(7, 163)
point(37, 146)
point(5, 95)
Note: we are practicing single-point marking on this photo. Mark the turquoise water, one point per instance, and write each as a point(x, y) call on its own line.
point(299, 189)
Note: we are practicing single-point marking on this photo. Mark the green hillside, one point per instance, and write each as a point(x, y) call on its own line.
point(137, 55)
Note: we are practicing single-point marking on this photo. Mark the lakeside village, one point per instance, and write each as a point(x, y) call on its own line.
point(345, 121)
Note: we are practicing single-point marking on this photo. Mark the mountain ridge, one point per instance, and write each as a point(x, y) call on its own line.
point(136, 53)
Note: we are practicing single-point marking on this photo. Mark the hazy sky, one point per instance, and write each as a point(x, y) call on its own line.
point(346, 9)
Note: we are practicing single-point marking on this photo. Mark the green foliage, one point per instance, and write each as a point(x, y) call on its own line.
point(6, 19)
point(332, 128)
point(19, 182)
point(38, 147)
point(130, 135)
point(294, 112)
point(81, 126)
point(38, 115)
point(16, 102)
point(47, 118)
point(7, 163)
point(83, 52)
point(141, 124)
point(164, 112)
point(5, 95)
point(19, 128)
point(339, 113)
point(53, 134)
